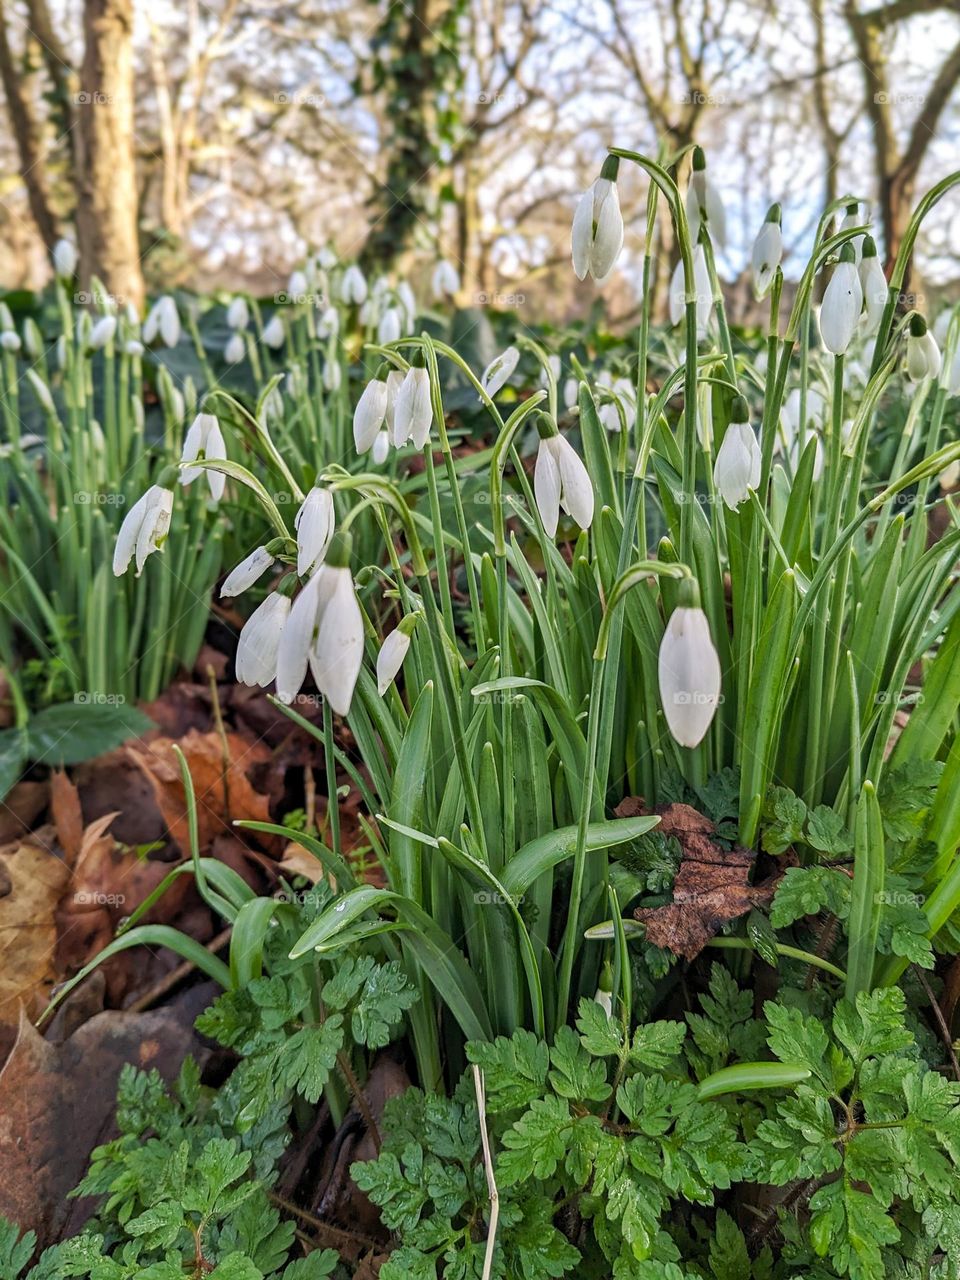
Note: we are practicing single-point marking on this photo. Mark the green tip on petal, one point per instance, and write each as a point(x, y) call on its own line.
point(847, 253)
point(739, 410)
point(774, 214)
point(338, 552)
point(699, 160)
point(869, 247)
point(546, 426)
point(918, 326)
point(688, 594)
point(610, 168)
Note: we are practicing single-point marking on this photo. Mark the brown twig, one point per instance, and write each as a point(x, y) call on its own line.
point(176, 976)
point(321, 1227)
point(343, 1062)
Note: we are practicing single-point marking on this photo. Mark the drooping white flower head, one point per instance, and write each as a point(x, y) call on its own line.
point(702, 291)
point(390, 327)
point(597, 234)
point(571, 393)
point(328, 326)
point(369, 415)
point(332, 374)
point(499, 370)
point(236, 349)
point(325, 631)
point(445, 281)
point(315, 523)
point(297, 287)
point(688, 670)
point(273, 332)
point(103, 332)
point(923, 354)
point(560, 480)
point(393, 651)
point(133, 347)
point(412, 411)
point(381, 448)
point(874, 285)
point(736, 472)
point(618, 412)
point(259, 644)
point(767, 252)
point(407, 303)
point(144, 529)
point(703, 202)
point(238, 313)
point(853, 218)
point(163, 318)
point(789, 426)
point(353, 286)
point(204, 439)
point(842, 300)
point(10, 341)
point(64, 259)
point(247, 572)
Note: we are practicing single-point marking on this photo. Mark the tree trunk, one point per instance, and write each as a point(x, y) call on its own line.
point(106, 172)
point(27, 136)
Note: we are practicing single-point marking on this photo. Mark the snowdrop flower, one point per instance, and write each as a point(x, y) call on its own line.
point(874, 285)
point(393, 651)
point(381, 448)
point(332, 375)
point(238, 313)
point(923, 354)
point(369, 414)
point(949, 476)
point(604, 995)
point(163, 319)
point(235, 349)
point(688, 670)
point(325, 631)
point(10, 341)
point(102, 332)
point(623, 393)
point(144, 529)
point(273, 334)
point(852, 219)
point(408, 306)
point(327, 258)
point(315, 523)
point(736, 472)
point(32, 338)
point(767, 252)
point(445, 281)
point(328, 326)
point(394, 382)
point(571, 393)
point(64, 259)
point(842, 300)
point(247, 572)
point(560, 479)
point(597, 235)
point(132, 347)
point(789, 427)
point(703, 201)
point(499, 370)
point(389, 329)
point(259, 645)
point(412, 411)
point(554, 371)
point(297, 286)
point(204, 440)
point(353, 286)
point(702, 291)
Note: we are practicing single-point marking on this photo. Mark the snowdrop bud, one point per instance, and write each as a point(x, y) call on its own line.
point(163, 319)
point(445, 281)
point(332, 375)
point(328, 325)
point(102, 332)
point(144, 529)
point(413, 412)
point(560, 480)
point(61, 352)
point(133, 348)
point(235, 350)
point(736, 472)
point(688, 671)
point(41, 391)
point(604, 996)
point(64, 259)
point(381, 448)
point(204, 440)
point(256, 661)
point(571, 392)
point(297, 286)
point(327, 258)
point(408, 306)
point(10, 341)
point(238, 313)
point(842, 300)
point(703, 202)
point(353, 286)
point(767, 252)
point(874, 285)
point(389, 329)
point(273, 334)
point(247, 572)
point(6, 317)
point(315, 523)
point(923, 354)
point(369, 414)
point(702, 291)
point(499, 370)
point(597, 235)
point(32, 338)
point(393, 651)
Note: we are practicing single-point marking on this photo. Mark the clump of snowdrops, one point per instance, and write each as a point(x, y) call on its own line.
point(772, 630)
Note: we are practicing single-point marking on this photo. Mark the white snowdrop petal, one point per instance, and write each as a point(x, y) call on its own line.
point(688, 671)
point(390, 659)
point(256, 662)
point(546, 487)
point(247, 572)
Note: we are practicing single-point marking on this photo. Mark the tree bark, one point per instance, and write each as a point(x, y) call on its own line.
point(106, 170)
point(26, 133)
